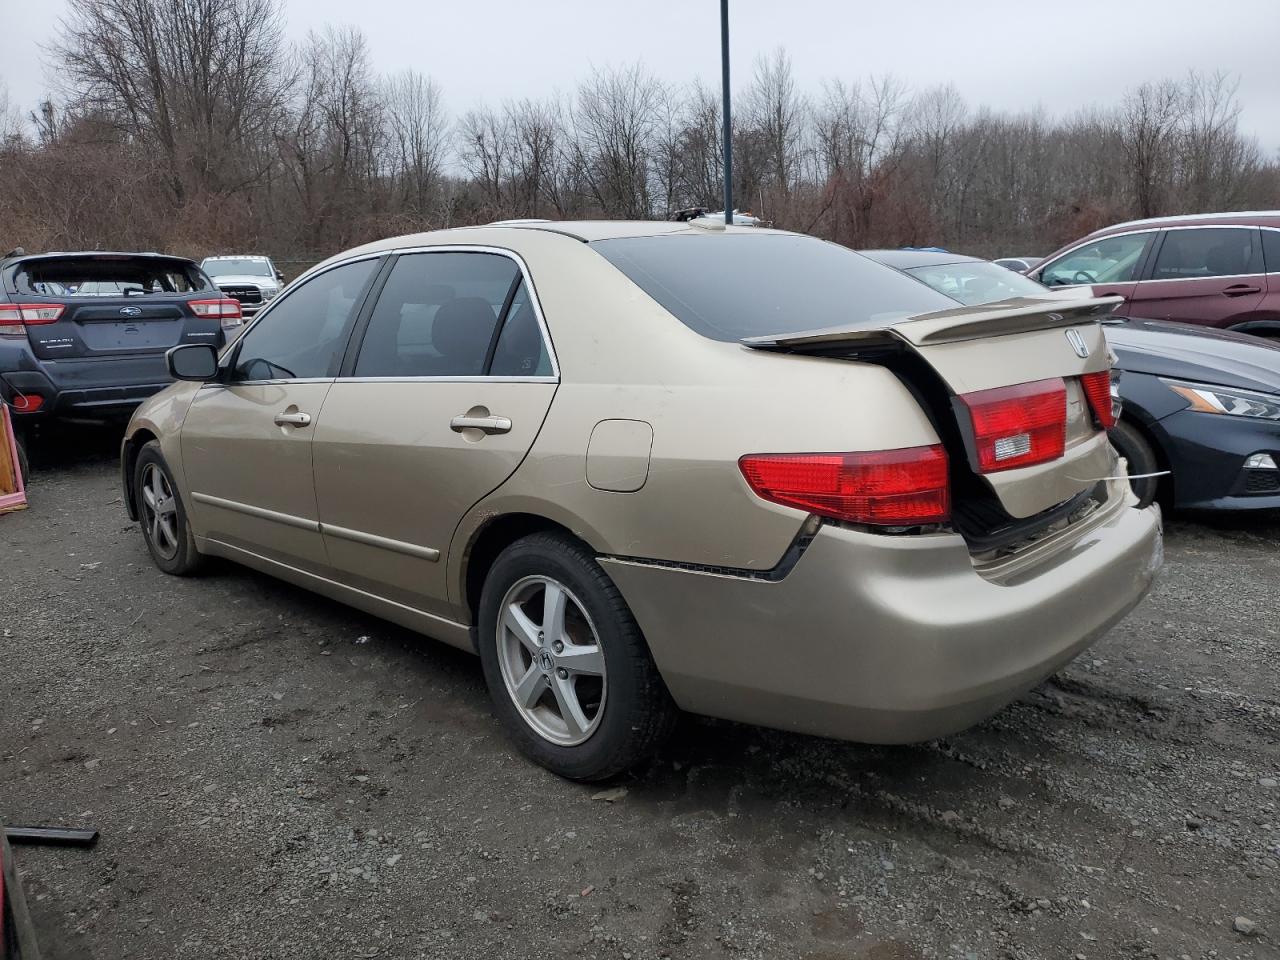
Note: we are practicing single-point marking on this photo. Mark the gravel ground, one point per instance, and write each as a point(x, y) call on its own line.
point(276, 776)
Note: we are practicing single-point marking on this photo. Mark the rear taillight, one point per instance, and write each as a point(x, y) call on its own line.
point(1097, 387)
point(1019, 425)
point(226, 310)
point(29, 314)
point(895, 488)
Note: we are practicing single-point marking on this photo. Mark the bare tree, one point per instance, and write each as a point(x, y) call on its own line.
point(777, 113)
point(615, 120)
point(484, 149)
point(1149, 118)
point(198, 80)
point(418, 128)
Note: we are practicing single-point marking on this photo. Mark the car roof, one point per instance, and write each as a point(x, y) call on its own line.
point(1245, 218)
point(237, 256)
point(903, 259)
point(587, 231)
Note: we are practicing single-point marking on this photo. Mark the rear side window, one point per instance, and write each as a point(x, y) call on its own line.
point(109, 276)
point(1208, 252)
point(733, 286)
point(521, 349)
point(1271, 250)
point(303, 335)
point(437, 315)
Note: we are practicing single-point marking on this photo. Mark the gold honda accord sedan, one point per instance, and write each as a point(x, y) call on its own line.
point(649, 467)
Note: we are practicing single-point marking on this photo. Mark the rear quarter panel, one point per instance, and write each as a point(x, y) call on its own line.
point(623, 357)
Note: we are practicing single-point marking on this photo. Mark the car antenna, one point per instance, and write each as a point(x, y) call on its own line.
point(16, 252)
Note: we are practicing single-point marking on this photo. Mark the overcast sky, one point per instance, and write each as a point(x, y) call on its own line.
point(1008, 54)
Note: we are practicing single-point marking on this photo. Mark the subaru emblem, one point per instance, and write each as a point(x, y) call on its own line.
point(131, 311)
point(1077, 343)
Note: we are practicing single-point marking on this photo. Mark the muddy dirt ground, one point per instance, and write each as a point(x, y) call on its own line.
point(276, 776)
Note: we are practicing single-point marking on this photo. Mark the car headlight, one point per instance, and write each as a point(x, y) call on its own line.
point(1227, 400)
point(269, 292)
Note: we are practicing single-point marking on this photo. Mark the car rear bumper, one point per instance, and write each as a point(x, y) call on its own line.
point(1208, 453)
point(97, 389)
point(888, 639)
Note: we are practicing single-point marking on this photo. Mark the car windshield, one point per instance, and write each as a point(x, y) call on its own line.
point(108, 276)
point(238, 268)
point(974, 282)
point(733, 286)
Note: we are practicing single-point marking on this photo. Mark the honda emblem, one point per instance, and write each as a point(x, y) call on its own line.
point(1077, 344)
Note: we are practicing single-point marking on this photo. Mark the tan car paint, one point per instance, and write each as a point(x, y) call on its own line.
point(238, 458)
point(971, 644)
point(389, 464)
point(887, 639)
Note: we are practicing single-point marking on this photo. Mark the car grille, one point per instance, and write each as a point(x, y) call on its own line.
point(244, 294)
point(1262, 481)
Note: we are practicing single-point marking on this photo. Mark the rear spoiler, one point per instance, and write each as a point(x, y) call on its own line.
point(1019, 315)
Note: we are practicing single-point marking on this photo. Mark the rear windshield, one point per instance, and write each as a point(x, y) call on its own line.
point(109, 276)
point(975, 282)
point(733, 286)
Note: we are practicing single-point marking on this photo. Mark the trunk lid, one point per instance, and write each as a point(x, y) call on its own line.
point(975, 349)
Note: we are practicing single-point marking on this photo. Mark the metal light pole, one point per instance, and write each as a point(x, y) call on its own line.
point(728, 125)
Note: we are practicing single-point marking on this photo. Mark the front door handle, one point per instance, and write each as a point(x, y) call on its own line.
point(488, 425)
point(293, 419)
point(1241, 289)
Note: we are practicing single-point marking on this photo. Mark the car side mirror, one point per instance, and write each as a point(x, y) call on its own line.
point(192, 361)
point(280, 276)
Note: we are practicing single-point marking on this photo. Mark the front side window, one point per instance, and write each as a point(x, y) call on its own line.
point(734, 286)
point(1208, 252)
point(304, 335)
point(437, 315)
point(1105, 260)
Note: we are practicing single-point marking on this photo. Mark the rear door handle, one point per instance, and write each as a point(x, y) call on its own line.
point(488, 425)
point(1241, 289)
point(293, 419)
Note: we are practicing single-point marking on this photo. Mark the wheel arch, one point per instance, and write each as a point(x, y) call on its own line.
point(129, 451)
point(1165, 486)
point(489, 539)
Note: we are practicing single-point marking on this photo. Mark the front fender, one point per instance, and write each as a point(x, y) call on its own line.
point(160, 418)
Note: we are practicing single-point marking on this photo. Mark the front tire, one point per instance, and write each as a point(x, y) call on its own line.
point(24, 462)
point(1142, 460)
point(567, 668)
point(162, 516)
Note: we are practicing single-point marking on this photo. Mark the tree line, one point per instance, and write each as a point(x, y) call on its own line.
point(192, 126)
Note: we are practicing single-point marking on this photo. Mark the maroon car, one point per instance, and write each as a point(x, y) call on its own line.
point(1218, 269)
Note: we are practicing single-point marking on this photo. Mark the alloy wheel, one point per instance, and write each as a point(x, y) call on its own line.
point(551, 659)
point(159, 511)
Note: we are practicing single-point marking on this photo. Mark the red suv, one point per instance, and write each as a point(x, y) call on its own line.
point(1217, 269)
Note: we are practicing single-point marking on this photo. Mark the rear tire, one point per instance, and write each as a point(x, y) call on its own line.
point(1133, 446)
point(162, 516)
point(568, 670)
